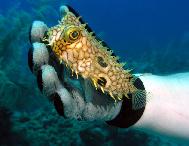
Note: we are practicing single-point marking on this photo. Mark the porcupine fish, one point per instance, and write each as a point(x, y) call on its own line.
point(75, 45)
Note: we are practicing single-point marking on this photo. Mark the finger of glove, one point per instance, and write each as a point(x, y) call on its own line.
point(74, 103)
point(37, 31)
point(48, 81)
point(38, 56)
point(49, 84)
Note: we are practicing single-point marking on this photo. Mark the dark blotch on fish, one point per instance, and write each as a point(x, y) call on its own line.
point(102, 62)
point(102, 81)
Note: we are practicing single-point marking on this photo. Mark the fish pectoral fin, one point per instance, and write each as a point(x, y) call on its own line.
point(138, 99)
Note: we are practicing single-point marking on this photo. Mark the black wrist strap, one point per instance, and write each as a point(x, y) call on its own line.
point(128, 116)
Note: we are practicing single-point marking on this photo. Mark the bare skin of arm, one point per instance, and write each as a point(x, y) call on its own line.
point(166, 111)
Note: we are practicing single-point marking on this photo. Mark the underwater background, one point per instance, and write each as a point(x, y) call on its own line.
point(151, 35)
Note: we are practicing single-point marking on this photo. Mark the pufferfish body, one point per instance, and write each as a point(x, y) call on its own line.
point(78, 48)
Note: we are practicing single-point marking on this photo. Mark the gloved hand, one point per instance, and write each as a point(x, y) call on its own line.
point(72, 97)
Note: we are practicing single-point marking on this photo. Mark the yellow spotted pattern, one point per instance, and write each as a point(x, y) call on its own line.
point(86, 56)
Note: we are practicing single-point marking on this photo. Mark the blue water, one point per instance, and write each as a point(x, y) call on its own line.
point(135, 27)
point(151, 35)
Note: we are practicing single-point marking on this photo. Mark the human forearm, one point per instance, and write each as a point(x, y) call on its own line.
point(166, 111)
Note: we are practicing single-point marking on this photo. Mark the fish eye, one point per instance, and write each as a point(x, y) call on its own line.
point(72, 34)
